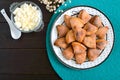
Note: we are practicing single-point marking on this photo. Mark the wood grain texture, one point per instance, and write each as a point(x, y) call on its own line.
point(27, 77)
point(26, 58)
point(29, 41)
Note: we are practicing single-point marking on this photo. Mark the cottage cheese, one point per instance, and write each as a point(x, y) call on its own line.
point(26, 17)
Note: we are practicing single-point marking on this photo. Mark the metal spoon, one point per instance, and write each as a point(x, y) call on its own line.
point(15, 33)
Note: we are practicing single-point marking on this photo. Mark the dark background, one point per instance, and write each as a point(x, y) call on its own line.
point(26, 58)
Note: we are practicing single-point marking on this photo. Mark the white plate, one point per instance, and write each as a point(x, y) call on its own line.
point(109, 37)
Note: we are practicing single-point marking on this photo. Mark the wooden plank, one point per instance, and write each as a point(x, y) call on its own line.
point(29, 77)
point(24, 61)
point(27, 40)
point(26, 58)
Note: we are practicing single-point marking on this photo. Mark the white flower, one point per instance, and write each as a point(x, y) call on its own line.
point(51, 5)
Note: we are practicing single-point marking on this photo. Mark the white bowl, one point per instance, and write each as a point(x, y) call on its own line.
point(15, 5)
point(104, 53)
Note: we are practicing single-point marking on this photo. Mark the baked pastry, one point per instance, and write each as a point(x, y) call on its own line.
point(79, 34)
point(90, 41)
point(76, 22)
point(101, 43)
point(90, 29)
point(102, 32)
point(80, 58)
point(78, 47)
point(60, 42)
point(93, 54)
point(81, 37)
point(70, 37)
point(67, 20)
point(95, 20)
point(68, 53)
point(84, 15)
point(62, 30)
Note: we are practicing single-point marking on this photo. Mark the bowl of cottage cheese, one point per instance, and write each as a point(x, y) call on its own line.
point(26, 16)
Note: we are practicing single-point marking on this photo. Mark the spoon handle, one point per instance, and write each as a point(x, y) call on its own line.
point(14, 32)
point(6, 17)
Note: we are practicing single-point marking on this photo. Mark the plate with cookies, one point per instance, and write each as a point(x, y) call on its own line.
point(82, 37)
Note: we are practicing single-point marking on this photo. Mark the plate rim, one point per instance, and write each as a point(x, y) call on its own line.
point(72, 67)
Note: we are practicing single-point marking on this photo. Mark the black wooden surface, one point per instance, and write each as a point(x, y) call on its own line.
point(26, 58)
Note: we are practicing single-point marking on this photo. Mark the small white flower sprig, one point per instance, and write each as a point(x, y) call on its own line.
point(52, 5)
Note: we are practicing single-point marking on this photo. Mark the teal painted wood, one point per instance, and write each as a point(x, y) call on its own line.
point(109, 70)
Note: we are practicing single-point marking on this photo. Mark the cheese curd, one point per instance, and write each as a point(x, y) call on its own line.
point(26, 17)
